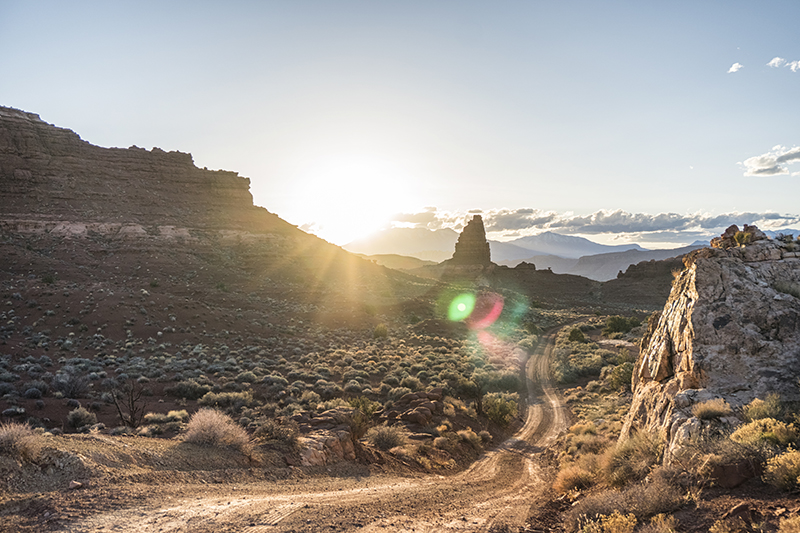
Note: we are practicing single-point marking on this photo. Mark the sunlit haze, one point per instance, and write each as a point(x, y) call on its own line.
point(656, 123)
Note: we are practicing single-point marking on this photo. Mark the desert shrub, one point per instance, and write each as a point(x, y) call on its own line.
point(20, 442)
point(386, 437)
point(620, 324)
point(71, 385)
point(616, 522)
point(209, 427)
point(660, 523)
point(380, 331)
point(230, 401)
point(783, 471)
point(790, 525)
point(621, 376)
point(711, 409)
point(758, 409)
point(271, 430)
point(80, 417)
point(33, 393)
point(246, 377)
point(37, 384)
point(576, 335)
point(411, 382)
point(471, 438)
point(501, 407)
point(189, 389)
point(733, 524)
point(443, 443)
point(643, 500)
point(766, 430)
point(397, 393)
point(571, 478)
point(353, 387)
point(631, 459)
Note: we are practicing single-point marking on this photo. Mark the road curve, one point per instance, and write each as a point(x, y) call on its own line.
point(494, 494)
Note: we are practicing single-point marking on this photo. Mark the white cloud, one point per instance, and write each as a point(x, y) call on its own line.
point(736, 67)
point(776, 62)
point(505, 223)
point(794, 65)
point(773, 163)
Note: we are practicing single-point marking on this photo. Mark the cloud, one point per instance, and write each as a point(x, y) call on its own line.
point(779, 62)
point(505, 223)
point(773, 163)
point(794, 65)
point(776, 62)
point(736, 67)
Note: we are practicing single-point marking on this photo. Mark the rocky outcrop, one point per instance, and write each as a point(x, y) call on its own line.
point(50, 175)
point(472, 247)
point(730, 329)
point(326, 447)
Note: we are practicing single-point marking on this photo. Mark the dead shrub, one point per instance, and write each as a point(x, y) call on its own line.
point(631, 459)
point(20, 442)
point(616, 522)
point(572, 478)
point(783, 471)
point(711, 409)
point(209, 427)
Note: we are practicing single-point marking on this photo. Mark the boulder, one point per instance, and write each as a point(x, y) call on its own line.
point(730, 329)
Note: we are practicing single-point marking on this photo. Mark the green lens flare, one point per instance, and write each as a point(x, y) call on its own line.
point(461, 307)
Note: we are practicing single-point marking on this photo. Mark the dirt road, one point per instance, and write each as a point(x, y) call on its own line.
point(494, 495)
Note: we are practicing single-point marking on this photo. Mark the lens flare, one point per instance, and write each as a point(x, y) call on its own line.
point(488, 307)
point(461, 307)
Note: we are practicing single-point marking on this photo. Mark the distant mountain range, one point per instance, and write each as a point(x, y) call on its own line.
point(563, 254)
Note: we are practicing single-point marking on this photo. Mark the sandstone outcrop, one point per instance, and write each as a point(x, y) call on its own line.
point(472, 247)
point(730, 329)
point(50, 175)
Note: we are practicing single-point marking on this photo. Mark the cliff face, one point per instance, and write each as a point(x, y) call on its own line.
point(730, 329)
point(50, 174)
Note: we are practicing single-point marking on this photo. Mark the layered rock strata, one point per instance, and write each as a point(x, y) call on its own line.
point(472, 247)
point(730, 329)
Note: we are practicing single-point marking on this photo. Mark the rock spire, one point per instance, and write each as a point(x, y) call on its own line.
point(472, 247)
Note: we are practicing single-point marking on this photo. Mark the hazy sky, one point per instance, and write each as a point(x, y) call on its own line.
point(658, 122)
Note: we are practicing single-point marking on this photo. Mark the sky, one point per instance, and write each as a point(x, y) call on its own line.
point(650, 122)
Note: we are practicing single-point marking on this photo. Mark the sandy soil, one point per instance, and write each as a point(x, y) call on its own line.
point(494, 495)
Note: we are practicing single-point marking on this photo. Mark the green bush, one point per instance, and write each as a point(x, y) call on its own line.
point(576, 335)
point(209, 427)
point(271, 430)
point(621, 376)
point(380, 331)
point(501, 407)
point(386, 437)
point(620, 324)
point(80, 417)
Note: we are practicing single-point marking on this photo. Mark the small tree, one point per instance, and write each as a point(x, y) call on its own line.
point(129, 401)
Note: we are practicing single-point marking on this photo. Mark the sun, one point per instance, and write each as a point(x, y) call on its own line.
point(346, 197)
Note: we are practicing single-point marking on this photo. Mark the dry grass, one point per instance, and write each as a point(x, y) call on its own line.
point(790, 525)
point(20, 442)
point(572, 478)
point(631, 459)
point(643, 500)
point(711, 409)
point(209, 427)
